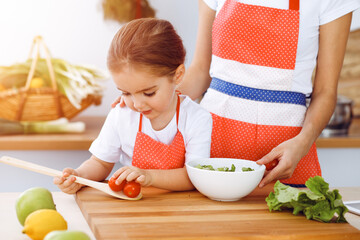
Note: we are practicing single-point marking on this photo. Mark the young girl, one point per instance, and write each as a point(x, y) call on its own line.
point(158, 130)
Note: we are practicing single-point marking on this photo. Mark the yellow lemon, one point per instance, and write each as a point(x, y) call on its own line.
point(41, 222)
point(37, 82)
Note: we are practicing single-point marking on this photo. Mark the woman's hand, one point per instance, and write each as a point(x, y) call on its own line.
point(131, 173)
point(67, 184)
point(118, 100)
point(288, 153)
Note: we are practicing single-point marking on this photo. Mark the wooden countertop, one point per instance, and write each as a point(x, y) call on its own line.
point(171, 213)
point(10, 227)
point(82, 141)
point(351, 140)
point(190, 215)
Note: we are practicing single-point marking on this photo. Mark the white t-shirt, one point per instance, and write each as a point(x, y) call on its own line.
point(312, 15)
point(117, 137)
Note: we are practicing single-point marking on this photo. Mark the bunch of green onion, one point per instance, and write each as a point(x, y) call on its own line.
point(76, 82)
point(61, 125)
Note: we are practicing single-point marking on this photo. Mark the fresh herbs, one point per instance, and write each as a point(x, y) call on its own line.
point(316, 202)
point(223, 169)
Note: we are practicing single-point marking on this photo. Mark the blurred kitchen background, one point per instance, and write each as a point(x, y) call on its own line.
point(75, 30)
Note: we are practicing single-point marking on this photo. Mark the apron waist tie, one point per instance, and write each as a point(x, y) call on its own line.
point(257, 94)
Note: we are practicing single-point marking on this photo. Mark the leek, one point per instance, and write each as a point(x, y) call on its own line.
point(61, 125)
point(76, 82)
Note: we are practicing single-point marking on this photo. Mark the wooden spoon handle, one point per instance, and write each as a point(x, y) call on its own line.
point(43, 170)
point(30, 166)
point(52, 172)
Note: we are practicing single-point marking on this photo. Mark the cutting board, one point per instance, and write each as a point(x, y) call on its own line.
point(190, 215)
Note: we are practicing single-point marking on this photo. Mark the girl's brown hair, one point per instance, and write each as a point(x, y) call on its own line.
point(149, 43)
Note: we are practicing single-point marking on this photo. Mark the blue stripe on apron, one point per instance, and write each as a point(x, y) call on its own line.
point(257, 94)
point(295, 185)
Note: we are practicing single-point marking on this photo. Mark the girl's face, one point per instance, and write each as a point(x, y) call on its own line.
point(152, 96)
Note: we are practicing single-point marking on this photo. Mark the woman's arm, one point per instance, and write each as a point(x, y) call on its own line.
point(332, 44)
point(197, 79)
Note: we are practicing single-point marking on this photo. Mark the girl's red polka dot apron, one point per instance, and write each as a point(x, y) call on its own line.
point(250, 98)
point(151, 154)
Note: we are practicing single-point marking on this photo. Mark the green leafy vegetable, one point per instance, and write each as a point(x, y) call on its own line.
point(316, 202)
point(205, 167)
point(211, 168)
point(223, 169)
point(247, 169)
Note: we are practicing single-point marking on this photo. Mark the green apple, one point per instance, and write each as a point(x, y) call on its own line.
point(66, 235)
point(31, 200)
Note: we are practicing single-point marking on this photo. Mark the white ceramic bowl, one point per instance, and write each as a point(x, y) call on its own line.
point(225, 186)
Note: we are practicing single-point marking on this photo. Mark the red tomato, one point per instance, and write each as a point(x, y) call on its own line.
point(132, 189)
point(113, 186)
point(271, 164)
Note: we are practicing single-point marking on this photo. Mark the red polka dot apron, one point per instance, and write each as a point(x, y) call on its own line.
point(250, 98)
point(151, 154)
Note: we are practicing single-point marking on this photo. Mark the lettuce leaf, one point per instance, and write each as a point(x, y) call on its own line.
point(316, 202)
point(317, 185)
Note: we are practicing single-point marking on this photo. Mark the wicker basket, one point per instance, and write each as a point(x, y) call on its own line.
point(40, 104)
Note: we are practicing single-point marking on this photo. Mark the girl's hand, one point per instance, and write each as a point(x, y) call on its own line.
point(131, 173)
point(118, 100)
point(67, 184)
point(288, 153)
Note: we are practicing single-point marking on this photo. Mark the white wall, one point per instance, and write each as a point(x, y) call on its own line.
point(75, 31)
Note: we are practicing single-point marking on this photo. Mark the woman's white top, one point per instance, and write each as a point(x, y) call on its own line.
point(117, 137)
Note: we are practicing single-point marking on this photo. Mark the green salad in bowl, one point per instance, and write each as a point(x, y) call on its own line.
point(224, 179)
point(223, 169)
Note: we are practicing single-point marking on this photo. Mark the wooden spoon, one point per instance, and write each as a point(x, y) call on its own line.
point(104, 187)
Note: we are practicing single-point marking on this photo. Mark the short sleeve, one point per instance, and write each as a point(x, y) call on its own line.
point(107, 145)
point(333, 9)
point(211, 3)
